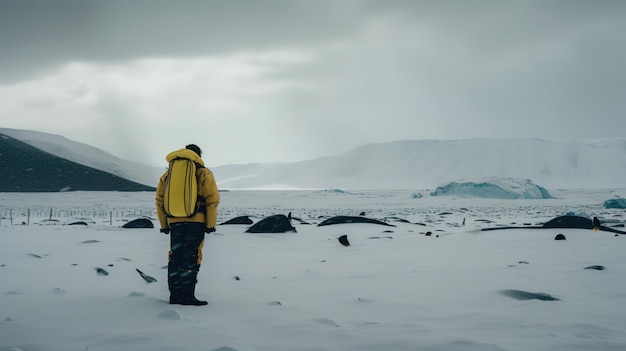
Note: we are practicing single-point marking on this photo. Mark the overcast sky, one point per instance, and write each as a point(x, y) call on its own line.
point(268, 81)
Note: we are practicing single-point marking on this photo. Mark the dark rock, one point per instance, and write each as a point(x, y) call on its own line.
point(398, 219)
point(597, 268)
point(139, 223)
point(146, 277)
point(273, 224)
point(559, 237)
point(352, 219)
point(344, 240)
point(569, 222)
point(101, 271)
point(239, 220)
point(525, 295)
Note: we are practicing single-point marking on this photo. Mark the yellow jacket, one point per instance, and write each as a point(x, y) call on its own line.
point(207, 188)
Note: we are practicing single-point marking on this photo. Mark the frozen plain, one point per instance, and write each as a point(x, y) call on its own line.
point(393, 288)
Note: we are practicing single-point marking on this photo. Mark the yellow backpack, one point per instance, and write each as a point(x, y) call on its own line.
point(181, 188)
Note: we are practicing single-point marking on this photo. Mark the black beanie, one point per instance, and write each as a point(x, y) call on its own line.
point(195, 148)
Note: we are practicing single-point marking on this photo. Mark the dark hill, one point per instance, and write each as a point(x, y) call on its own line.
point(24, 168)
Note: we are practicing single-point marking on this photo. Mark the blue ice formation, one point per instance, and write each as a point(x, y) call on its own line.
point(494, 188)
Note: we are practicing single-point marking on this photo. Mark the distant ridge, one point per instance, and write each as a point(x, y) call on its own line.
point(426, 164)
point(408, 164)
point(24, 168)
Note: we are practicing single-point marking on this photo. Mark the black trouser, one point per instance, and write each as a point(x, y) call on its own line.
point(186, 240)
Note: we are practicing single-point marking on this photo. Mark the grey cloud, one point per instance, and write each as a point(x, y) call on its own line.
point(38, 34)
point(379, 70)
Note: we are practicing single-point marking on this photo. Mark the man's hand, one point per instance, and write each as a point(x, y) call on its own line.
point(209, 230)
point(165, 230)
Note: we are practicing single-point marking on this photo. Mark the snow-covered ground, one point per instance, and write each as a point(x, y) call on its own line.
point(393, 288)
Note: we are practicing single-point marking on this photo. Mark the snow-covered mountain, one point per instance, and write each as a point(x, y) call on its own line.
point(423, 164)
point(413, 164)
point(87, 155)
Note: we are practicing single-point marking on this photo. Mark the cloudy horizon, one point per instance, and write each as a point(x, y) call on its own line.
point(276, 81)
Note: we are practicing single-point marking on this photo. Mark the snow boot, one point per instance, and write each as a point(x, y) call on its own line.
point(184, 294)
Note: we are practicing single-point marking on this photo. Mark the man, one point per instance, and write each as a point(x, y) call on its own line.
point(187, 233)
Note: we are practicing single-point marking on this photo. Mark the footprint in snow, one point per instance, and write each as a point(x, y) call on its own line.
point(15, 292)
point(325, 321)
point(89, 242)
point(171, 315)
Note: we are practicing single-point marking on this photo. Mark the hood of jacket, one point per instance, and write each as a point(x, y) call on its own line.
point(185, 153)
